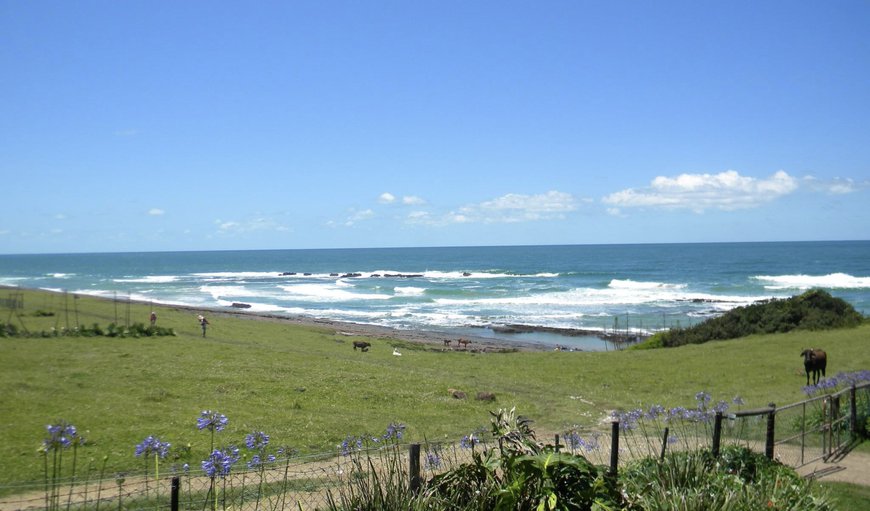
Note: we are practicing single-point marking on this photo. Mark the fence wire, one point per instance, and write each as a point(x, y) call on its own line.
point(803, 432)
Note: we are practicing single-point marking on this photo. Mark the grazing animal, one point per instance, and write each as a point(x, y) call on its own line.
point(361, 345)
point(815, 362)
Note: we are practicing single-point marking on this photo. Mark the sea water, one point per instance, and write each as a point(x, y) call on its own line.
point(472, 290)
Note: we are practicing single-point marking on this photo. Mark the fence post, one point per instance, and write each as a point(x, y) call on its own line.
point(717, 434)
point(771, 429)
point(176, 486)
point(557, 446)
point(664, 443)
point(614, 447)
point(414, 467)
point(853, 413)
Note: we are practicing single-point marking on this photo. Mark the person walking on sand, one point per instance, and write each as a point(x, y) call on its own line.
point(203, 322)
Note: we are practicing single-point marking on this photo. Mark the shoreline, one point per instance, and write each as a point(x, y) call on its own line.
point(434, 338)
point(430, 338)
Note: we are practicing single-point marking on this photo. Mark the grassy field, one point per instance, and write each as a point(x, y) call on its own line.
point(308, 389)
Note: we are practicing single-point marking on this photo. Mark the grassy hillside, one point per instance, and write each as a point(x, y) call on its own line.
point(308, 388)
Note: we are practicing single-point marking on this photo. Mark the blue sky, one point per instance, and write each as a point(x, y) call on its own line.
point(134, 126)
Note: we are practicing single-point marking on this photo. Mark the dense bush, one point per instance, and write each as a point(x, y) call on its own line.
point(113, 330)
point(738, 480)
point(813, 310)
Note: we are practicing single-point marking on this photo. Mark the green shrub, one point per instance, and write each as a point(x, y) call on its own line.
point(522, 474)
point(813, 310)
point(738, 480)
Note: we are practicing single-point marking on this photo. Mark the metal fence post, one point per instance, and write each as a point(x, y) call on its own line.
point(414, 467)
point(176, 486)
point(614, 447)
point(717, 433)
point(771, 432)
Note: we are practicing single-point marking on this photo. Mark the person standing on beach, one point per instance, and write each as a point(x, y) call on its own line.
point(203, 323)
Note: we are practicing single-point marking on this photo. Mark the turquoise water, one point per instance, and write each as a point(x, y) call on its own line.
point(635, 288)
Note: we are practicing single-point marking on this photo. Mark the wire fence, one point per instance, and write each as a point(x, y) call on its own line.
point(795, 435)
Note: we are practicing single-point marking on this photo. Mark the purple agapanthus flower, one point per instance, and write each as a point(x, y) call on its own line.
point(349, 444)
point(257, 461)
point(469, 441)
point(152, 446)
point(394, 431)
point(737, 400)
point(433, 460)
point(574, 440)
point(220, 462)
point(257, 441)
point(212, 421)
point(61, 436)
point(592, 443)
point(628, 420)
point(654, 412)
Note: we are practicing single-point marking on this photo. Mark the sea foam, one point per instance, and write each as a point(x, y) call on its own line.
point(830, 281)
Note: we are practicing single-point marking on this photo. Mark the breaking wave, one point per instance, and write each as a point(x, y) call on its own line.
point(802, 282)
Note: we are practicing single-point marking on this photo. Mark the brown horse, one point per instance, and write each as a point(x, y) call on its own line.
point(815, 361)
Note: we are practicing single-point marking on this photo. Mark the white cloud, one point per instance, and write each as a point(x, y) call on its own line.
point(407, 200)
point(835, 186)
point(510, 208)
point(155, 212)
point(726, 191)
point(358, 216)
point(60, 216)
point(254, 224)
point(412, 200)
point(417, 217)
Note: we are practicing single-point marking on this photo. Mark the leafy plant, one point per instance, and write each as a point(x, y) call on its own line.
point(523, 474)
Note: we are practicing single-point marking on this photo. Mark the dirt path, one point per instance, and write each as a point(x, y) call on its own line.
point(851, 468)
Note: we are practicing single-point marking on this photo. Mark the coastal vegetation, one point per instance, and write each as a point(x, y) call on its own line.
point(814, 310)
point(307, 387)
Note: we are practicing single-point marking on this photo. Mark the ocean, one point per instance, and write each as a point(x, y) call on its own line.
point(532, 294)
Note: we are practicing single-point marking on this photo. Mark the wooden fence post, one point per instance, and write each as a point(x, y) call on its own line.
point(664, 443)
point(176, 486)
point(614, 447)
point(557, 446)
point(853, 413)
point(414, 467)
point(717, 434)
point(771, 432)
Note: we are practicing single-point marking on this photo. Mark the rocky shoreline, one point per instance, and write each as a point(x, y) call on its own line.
point(431, 338)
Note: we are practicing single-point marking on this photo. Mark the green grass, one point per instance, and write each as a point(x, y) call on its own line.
point(308, 388)
point(847, 496)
